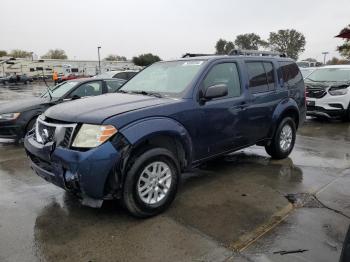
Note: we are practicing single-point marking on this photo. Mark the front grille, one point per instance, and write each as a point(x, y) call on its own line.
point(67, 137)
point(61, 134)
point(315, 92)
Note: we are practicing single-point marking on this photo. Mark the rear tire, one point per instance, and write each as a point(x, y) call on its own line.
point(151, 182)
point(283, 141)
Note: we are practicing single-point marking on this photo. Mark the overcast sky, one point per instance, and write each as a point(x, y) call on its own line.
point(168, 28)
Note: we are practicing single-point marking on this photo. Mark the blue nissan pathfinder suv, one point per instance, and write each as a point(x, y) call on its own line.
point(133, 145)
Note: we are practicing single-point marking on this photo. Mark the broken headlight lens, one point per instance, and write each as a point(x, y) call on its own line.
point(338, 91)
point(9, 116)
point(90, 136)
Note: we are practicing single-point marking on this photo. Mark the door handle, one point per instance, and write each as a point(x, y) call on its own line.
point(243, 105)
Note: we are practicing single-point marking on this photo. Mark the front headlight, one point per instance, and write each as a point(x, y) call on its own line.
point(9, 116)
point(90, 136)
point(338, 91)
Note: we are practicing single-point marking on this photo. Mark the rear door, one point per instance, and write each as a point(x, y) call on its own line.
point(92, 88)
point(113, 85)
point(263, 99)
point(121, 75)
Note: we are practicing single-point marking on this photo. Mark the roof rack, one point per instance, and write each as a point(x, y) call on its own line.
point(237, 52)
point(255, 53)
point(195, 55)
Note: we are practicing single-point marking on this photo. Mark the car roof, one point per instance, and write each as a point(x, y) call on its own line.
point(121, 71)
point(336, 66)
point(309, 68)
point(83, 80)
point(245, 57)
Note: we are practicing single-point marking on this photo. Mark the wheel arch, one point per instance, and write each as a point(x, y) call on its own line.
point(160, 132)
point(286, 108)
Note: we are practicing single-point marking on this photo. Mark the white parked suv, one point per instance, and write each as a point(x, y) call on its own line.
point(328, 92)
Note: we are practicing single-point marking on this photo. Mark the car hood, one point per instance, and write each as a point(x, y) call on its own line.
point(94, 110)
point(312, 84)
point(21, 105)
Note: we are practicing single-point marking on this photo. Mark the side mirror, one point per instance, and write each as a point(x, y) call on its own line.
point(75, 97)
point(215, 91)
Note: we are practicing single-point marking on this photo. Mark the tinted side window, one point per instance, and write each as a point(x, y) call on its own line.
point(88, 89)
point(122, 75)
point(226, 73)
point(131, 74)
point(113, 85)
point(270, 75)
point(290, 73)
point(257, 77)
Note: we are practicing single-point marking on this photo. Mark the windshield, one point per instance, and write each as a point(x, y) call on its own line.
point(306, 72)
point(330, 75)
point(60, 90)
point(166, 78)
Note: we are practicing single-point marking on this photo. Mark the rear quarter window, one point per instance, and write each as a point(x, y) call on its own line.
point(290, 74)
point(258, 81)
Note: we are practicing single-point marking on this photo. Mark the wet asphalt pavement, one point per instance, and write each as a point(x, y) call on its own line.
point(232, 209)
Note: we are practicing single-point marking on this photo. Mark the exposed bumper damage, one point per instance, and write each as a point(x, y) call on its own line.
point(82, 173)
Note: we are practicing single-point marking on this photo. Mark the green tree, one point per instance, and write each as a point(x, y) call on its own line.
point(289, 41)
point(145, 59)
point(250, 41)
point(223, 47)
point(344, 49)
point(3, 53)
point(55, 54)
point(310, 59)
point(220, 46)
point(337, 61)
point(17, 53)
point(115, 58)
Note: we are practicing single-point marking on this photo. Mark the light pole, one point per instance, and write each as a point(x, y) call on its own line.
point(324, 57)
point(99, 60)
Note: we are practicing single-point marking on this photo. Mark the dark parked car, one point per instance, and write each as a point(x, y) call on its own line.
point(172, 116)
point(16, 79)
point(17, 118)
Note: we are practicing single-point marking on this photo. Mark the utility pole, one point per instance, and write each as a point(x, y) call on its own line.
point(99, 60)
point(324, 57)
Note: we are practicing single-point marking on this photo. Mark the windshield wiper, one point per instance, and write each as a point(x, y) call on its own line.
point(146, 93)
point(122, 91)
point(315, 80)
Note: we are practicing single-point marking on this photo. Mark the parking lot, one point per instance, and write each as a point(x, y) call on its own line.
point(245, 207)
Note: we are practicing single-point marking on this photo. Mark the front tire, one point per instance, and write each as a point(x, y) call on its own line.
point(151, 182)
point(283, 141)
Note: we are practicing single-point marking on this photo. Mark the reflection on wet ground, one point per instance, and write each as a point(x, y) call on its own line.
point(21, 91)
point(221, 208)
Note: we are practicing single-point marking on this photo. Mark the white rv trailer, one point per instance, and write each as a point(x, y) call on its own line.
point(46, 67)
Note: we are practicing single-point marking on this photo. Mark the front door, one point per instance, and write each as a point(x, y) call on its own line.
point(222, 119)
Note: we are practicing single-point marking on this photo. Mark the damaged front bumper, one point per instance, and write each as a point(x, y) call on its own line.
point(83, 173)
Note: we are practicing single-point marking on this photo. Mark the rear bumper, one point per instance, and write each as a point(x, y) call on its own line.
point(83, 173)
